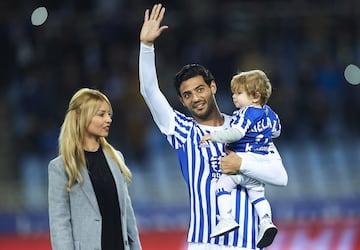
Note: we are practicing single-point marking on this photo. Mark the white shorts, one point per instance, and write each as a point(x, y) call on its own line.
point(208, 246)
point(268, 169)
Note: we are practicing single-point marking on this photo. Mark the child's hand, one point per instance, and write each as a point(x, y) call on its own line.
point(205, 138)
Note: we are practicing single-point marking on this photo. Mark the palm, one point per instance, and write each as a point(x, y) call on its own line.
point(150, 31)
point(151, 28)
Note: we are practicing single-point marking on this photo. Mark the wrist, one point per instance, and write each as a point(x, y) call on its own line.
point(147, 43)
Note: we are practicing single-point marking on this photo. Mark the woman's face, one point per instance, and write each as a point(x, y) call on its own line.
point(99, 125)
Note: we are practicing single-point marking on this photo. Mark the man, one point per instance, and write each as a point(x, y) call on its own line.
point(200, 165)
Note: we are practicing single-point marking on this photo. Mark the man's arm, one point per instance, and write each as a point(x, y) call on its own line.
point(159, 107)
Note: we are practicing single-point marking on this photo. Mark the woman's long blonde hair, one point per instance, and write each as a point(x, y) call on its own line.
point(82, 107)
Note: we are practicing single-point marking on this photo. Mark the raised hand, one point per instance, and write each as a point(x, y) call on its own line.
point(151, 28)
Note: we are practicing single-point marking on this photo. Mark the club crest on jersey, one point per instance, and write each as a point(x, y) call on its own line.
point(215, 166)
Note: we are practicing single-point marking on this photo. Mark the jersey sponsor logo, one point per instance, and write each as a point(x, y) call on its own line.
point(215, 166)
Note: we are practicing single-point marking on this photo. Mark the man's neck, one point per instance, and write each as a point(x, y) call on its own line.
point(215, 119)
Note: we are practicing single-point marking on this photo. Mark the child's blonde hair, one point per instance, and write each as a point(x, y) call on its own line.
point(254, 82)
point(82, 107)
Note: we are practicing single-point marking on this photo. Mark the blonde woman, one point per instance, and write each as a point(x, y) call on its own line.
point(89, 203)
point(253, 127)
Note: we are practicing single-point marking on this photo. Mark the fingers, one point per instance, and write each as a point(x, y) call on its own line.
point(157, 12)
point(162, 12)
point(227, 150)
point(152, 14)
point(146, 17)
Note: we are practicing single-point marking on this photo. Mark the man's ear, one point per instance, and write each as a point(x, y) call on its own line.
point(181, 100)
point(213, 87)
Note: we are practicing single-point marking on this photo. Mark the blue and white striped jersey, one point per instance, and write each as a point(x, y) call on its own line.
point(199, 165)
point(200, 168)
point(258, 125)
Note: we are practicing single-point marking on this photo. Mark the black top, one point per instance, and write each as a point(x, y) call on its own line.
point(107, 198)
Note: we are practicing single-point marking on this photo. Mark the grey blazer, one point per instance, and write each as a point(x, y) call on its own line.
point(75, 220)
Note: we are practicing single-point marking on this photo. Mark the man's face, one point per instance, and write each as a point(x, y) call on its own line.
point(198, 97)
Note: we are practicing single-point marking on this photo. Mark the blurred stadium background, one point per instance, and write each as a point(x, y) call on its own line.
point(304, 46)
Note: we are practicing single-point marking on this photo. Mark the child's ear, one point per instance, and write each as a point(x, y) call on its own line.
point(257, 97)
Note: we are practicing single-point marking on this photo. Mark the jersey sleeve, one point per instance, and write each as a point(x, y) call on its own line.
point(241, 120)
point(227, 136)
point(276, 128)
point(162, 112)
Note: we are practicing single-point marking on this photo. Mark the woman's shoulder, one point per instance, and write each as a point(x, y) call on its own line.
point(120, 154)
point(114, 150)
point(56, 162)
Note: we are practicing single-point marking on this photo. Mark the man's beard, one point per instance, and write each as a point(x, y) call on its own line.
point(204, 115)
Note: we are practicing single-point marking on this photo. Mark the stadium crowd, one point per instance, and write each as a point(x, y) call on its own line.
point(303, 46)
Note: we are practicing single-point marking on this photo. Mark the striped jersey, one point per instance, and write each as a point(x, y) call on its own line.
point(200, 168)
point(199, 165)
point(258, 125)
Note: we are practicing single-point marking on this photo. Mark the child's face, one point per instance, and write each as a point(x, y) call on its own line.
point(242, 99)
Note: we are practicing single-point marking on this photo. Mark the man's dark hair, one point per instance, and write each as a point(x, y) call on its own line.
point(190, 71)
